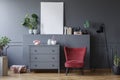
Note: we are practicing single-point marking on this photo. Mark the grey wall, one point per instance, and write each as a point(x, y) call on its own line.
point(12, 13)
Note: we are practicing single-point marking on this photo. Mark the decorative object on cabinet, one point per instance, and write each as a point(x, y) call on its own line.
point(3, 66)
point(74, 58)
point(67, 30)
point(52, 41)
point(31, 22)
point(49, 42)
point(44, 57)
point(34, 31)
point(77, 31)
point(36, 42)
point(101, 28)
point(52, 17)
point(3, 42)
point(86, 25)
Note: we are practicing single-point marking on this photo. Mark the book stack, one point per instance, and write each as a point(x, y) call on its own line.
point(67, 30)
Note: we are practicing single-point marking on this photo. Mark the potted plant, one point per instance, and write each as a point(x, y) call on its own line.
point(31, 22)
point(86, 25)
point(116, 66)
point(3, 42)
point(34, 23)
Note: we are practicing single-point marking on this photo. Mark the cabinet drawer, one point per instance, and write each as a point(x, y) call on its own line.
point(44, 65)
point(43, 50)
point(44, 58)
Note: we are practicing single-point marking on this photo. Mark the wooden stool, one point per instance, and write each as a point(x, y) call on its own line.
point(3, 66)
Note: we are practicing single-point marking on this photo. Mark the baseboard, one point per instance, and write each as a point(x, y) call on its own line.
point(71, 70)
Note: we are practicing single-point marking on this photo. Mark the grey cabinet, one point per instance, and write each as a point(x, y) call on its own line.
point(44, 57)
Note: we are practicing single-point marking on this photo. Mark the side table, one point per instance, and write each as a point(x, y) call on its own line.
point(3, 66)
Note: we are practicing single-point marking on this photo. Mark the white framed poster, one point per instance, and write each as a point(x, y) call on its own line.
point(51, 17)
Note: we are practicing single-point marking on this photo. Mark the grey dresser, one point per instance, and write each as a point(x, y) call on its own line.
point(3, 66)
point(44, 57)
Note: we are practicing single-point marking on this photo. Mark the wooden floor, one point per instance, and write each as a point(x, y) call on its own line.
point(97, 75)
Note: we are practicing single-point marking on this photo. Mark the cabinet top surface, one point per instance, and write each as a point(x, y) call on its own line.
point(42, 45)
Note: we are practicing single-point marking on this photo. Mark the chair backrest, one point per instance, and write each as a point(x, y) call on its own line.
point(75, 53)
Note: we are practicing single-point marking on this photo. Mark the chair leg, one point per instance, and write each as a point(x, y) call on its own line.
point(67, 71)
point(82, 71)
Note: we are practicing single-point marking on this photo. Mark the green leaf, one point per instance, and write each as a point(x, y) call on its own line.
point(116, 60)
point(86, 24)
point(4, 41)
point(31, 22)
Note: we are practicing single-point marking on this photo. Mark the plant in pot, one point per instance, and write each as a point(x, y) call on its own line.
point(31, 22)
point(86, 25)
point(3, 42)
point(116, 66)
point(34, 23)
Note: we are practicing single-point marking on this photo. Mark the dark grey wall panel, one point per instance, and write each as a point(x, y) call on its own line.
point(15, 53)
point(12, 13)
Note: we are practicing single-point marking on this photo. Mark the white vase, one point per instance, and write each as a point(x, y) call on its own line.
point(34, 31)
point(49, 42)
point(30, 31)
point(53, 42)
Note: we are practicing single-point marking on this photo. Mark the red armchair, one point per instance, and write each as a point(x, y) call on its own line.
point(74, 58)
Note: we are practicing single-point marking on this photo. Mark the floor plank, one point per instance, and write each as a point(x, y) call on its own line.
point(73, 75)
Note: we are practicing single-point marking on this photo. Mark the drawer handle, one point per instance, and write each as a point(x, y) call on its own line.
point(35, 65)
point(53, 57)
point(35, 57)
point(35, 50)
point(53, 65)
point(53, 50)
